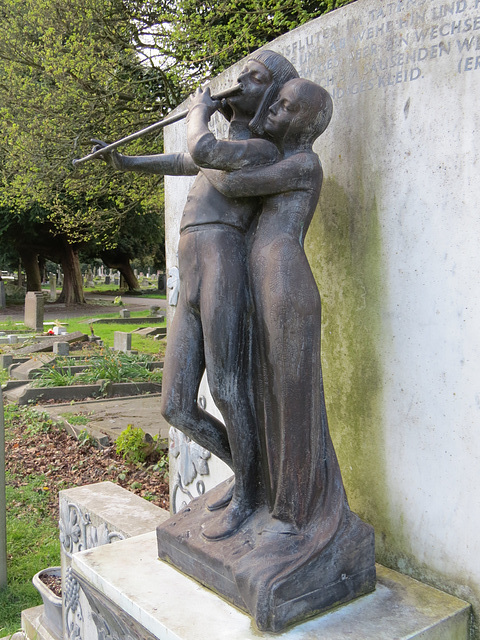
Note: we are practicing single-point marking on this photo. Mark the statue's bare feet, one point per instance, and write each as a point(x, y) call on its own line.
point(228, 523)
point(224, 500)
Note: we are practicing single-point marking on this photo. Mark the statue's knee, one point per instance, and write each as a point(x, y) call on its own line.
point(169, 411)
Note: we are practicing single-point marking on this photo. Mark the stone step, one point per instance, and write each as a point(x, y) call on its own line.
point(33, 626)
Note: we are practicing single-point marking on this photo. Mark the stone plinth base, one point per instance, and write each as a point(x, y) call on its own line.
point(278, 576)
point(128, 584)
point(33, 625)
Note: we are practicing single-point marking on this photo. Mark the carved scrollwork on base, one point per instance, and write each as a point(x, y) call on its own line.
point(78, 533)
point(192, 460)
point(112, 623)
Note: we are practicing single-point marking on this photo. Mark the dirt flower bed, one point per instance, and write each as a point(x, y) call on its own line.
point(65, 463)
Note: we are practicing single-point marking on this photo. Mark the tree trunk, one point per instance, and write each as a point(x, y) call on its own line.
point(32, 270)
point(72, 291)
point(122, 263)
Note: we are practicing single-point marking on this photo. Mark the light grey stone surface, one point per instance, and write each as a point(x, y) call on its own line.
point(53, 287)
point(32, 625)
point(27, 370)
point(170, 605)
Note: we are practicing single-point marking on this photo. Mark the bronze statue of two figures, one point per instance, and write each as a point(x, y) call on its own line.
point(277, 540)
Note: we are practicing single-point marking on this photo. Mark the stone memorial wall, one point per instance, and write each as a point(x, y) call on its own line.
point(394, 248)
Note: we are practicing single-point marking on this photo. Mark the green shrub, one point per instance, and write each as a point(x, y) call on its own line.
point(132, 444)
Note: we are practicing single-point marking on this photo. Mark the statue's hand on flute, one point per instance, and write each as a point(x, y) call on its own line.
point(203, 98)
point(111, 157)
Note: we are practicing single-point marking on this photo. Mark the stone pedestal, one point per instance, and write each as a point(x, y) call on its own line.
point(34, 306)
point(136, 595)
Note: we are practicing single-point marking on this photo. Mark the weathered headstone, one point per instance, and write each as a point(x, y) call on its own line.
point(122, 341)
point(162, 283)
point(3, 299)
point(124, 313)
point(5, 360)
point(90, 282)
point(61, 348)
point(34, 309)
point(53, 287)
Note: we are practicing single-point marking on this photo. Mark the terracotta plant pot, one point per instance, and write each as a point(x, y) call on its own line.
point(52, 615)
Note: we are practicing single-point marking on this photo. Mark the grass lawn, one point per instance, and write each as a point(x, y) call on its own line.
point(106, 331)
point(113, 290)
point(32, 534)
point(32, 543)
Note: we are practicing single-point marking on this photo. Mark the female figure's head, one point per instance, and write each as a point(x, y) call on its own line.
point(300, 114)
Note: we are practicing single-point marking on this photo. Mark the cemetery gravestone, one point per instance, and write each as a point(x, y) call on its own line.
point(3, 300)
point(394, 248)
point(61, 348)
point(122, 341)
point(34, 310)
point(162, 283)
point(53, 287)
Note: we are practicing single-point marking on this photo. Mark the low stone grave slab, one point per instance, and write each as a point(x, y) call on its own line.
point(27, 370)
point(130, 320)
point(46, 344)
point(150, 332)
point(111, 416)
point(7, 360)
point(142, 597)
point(31, 395)
point(14, 338)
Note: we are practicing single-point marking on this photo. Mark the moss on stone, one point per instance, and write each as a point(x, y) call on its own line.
point(344, 249)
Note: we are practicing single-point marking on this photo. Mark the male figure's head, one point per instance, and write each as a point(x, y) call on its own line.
point(300, 114)
point(261, 78)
